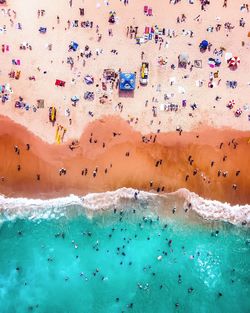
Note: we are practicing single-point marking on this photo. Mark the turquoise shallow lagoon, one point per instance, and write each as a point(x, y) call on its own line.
point(123, 262)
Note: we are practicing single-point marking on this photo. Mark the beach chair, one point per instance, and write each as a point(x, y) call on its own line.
point(145, 9)
point(150, 11)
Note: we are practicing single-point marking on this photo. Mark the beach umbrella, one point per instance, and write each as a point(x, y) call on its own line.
point(89, 79)
point(234, 61)
point(204, 44)
point(73, 45)
point(75, 98)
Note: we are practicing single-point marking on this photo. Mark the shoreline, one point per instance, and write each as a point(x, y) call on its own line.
point(181, 204)
point(135, 171)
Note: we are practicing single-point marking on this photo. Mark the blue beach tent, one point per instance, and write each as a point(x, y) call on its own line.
point(127, 81)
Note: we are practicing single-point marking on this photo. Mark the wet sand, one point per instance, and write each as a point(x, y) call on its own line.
point(135, 170)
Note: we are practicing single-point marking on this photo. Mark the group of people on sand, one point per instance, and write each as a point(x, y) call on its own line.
point(158, 163)
point(88, 52)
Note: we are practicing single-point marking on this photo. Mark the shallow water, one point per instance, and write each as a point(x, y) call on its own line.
point(110, 262)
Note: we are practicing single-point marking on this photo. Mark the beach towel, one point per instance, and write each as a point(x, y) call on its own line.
point(162, 107)
point(172, 80)
point(181, 90)
point(60, 83)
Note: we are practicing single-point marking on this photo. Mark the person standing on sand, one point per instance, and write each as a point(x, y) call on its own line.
point(17, 151)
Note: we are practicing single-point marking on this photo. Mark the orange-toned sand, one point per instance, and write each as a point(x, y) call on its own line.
point(135, 170)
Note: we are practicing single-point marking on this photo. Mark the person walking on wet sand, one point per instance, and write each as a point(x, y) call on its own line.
point(17, 150)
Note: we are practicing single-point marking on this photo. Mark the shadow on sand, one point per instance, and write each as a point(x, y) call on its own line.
point(126, 94)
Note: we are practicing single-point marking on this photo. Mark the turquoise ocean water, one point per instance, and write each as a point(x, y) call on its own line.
point(123, 262)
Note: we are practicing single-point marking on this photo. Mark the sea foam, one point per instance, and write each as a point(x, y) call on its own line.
point(12, 208)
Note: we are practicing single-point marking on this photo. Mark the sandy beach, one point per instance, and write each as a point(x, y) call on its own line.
point(188, 127)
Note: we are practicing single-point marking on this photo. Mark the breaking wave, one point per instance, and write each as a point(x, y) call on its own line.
point(182, 200)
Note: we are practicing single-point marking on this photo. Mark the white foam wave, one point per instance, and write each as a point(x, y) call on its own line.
point(12, 208)
point(216, 210)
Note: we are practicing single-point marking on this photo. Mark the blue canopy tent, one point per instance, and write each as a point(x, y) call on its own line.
point(127, 81)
